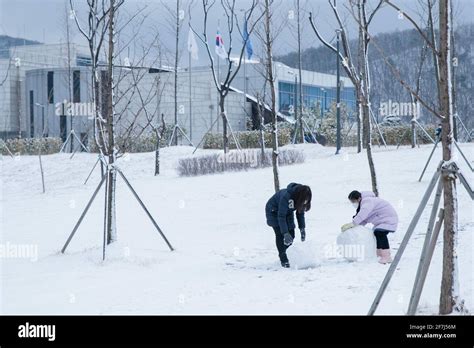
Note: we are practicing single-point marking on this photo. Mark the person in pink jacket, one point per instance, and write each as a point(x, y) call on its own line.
point(379, 213)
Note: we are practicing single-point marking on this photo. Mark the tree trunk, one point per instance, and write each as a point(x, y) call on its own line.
point(276, 175)
point(176, 63)
point(359, 124)
point(224, 124)
point(110, 215)
point(365, 92)
point(262, 130)
point(300, 130)
point(69, 72)
point(271, 80)
point(157, 159)
point(449, 298)
point(366, 131)
point(368, 147)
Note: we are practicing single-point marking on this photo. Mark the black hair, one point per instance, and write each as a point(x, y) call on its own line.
point(302, 194)
point(354, 195)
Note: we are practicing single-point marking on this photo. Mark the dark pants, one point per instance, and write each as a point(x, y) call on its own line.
point(280, 245)
point(381, 238)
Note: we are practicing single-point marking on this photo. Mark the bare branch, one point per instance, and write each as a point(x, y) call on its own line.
point(412, 21)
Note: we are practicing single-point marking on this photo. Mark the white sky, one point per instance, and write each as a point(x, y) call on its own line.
point(43, 20)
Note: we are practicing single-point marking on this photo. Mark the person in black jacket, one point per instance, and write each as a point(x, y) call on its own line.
point(279, 212)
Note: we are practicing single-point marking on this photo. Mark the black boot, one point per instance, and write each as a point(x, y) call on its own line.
point(284, 261)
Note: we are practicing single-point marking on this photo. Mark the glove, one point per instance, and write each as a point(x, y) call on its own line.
point(345, 227)
point(303, 234)
point(287, 239)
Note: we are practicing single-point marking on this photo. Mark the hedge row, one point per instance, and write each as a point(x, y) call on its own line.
point(31, 146)
point(136, 144)
point(392, 135)
point(247, 139)
point(235, 161)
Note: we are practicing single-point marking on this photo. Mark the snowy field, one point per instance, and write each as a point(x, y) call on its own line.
point(225, 260)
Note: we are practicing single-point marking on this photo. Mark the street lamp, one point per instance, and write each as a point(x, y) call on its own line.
point(338, 96)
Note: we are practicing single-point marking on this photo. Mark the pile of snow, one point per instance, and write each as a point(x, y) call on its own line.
point(303, 255)
point(357, 244)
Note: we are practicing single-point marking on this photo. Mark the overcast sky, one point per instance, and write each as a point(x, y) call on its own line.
point(43, 20)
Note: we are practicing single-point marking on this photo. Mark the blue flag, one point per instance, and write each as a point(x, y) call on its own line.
point(248, 44)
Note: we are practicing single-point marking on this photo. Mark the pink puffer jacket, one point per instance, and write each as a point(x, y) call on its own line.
point(376, 211)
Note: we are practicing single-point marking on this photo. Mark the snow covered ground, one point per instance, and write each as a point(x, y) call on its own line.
point(225, 260)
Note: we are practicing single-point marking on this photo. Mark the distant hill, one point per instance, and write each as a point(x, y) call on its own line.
point(7, 41)
point(403, 49)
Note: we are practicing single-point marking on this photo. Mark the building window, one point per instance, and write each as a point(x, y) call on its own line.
point(83, 61)
point(76, 86)
point(63, 128)
point(50, 87)
point(32, 115)
point(314, 96)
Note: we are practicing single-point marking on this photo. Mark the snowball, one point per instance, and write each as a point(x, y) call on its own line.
point(302, 255)
point(357, 244)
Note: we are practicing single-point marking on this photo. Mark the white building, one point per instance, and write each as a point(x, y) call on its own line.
point(13, 66)
point(42, 79)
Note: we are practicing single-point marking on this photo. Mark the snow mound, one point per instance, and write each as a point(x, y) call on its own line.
point(302, 255)
point(357, 244)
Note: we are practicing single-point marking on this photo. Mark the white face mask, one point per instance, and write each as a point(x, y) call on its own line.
point(355, 205)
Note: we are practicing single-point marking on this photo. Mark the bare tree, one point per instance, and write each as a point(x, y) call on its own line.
point(149, 105)
point(261, 118)
point(358, 71)
point(268, 40)
point(68, 79)
point(449, 298)
point(100, 24)
point(299, 110)
point(232, 65)
point(175, 17)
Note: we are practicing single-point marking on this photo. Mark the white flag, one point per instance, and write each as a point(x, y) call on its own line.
point(192, 45)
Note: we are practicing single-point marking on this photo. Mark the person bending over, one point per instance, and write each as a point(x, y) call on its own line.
point(378, 212)
point(279, 212)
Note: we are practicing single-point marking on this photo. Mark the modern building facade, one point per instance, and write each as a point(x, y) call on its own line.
point(46, 96)
point(54, 109)
point(14, 63)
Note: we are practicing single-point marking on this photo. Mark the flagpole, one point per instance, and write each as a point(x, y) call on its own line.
point(219, 83)
point(218, 74)
point(190, 99)
point(245, 67)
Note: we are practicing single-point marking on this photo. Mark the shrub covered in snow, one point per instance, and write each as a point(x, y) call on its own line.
point(392, 135)
point(31, 146)
point(235, 161)
point(137, 144)
point(247, 139)
point(357, 244)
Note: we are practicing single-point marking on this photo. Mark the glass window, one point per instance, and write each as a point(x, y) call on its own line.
point(50, 87)
point(76, 86)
